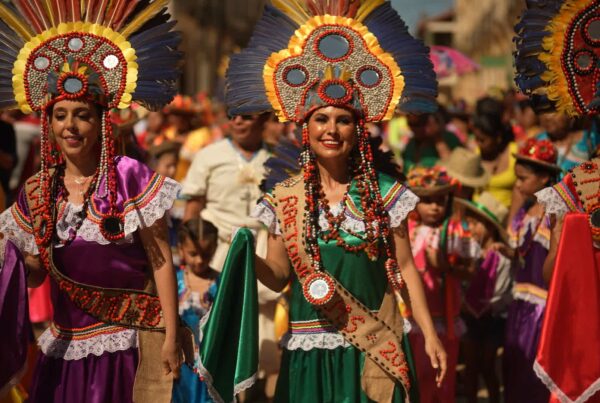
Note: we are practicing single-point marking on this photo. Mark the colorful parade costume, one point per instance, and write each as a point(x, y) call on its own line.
point(557, 51)
point(346, 335)
point(193, 306)
point(451, 241)
point(529, 235)
point(107, 318)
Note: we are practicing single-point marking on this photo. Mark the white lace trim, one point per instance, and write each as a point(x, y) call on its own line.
point(137, 218)
point(403, 206)
point(307, 342)
point(323, 341)
point(553, 203)
point(397, 213)
point(553, 387)
point(69, 350)
point(23, 240)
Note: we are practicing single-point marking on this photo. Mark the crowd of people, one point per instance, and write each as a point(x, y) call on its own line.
point(478, 237)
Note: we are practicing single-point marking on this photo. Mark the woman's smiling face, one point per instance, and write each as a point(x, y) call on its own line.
point(332, 132)
point(76, 127)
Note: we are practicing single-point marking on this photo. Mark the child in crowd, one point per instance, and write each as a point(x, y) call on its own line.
point(197, 286)
point(443, 253)
point(163, 159)
point(529, 235)
point(487, 296)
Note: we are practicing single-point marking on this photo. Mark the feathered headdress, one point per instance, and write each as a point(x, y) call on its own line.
point(126, 47)
point(110, 52)
point(557, 55)
point(310, 53)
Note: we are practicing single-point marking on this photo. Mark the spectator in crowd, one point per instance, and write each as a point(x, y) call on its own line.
point(495, 144)
point(27, 131)
point(487, 296)
point(574, 145)
point(431, 142)
point(8, 158)
point(222, 187)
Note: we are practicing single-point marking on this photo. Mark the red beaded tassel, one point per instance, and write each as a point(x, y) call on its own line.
point(311, 183)
point(112, 222)
point(43, 210)
point(376, 217)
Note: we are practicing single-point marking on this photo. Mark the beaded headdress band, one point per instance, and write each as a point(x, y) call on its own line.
point(313, 53)
point(430, 181)
point(558, 46)
point(111, 53)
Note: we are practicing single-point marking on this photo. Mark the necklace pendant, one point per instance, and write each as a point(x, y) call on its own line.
point(112, 227)
point(318, 288)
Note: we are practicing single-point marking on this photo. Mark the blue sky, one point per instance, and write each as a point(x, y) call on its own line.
point(412, 10)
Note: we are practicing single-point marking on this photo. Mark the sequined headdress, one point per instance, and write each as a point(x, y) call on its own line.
point(310, 53)
point(110, 52)
point(558, 46)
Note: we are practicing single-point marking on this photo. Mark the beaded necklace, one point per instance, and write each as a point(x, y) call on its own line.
point(87, 196)
point(376, 219)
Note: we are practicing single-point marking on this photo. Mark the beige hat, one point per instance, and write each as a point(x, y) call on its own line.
point(488, 208)
point(465, 166)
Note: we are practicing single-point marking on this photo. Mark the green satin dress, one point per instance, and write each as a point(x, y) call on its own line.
point(322, 371)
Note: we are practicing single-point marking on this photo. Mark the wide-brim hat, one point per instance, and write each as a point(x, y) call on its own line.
point(465, 166)
point(429, 181)
point(539, 152)
point(489, 209)
point(552, 167)
point(164, 147)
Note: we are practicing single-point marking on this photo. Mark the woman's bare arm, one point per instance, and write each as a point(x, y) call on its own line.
point(274, 271)
point(156, 244)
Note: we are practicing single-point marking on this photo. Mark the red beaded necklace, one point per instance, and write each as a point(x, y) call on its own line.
point(376, 219)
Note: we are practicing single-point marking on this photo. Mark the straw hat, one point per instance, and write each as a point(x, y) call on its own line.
point(465, 166)
point(429, 181)
point(164, 147)
point(539, 152)
point(488, 208)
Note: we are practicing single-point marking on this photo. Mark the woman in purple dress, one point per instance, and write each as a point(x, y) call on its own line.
point(93, 221)
point(529, 234)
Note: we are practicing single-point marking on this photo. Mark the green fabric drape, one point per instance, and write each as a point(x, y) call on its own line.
point(229, 352)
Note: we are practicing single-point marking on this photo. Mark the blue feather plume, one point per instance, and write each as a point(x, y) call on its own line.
point(245, 92)
point(283, 164)
point(158, 61)
point(531, 31)
point(411, 55)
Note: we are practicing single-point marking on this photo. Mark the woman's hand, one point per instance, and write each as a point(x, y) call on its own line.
point(171, 356)
point(438, 357)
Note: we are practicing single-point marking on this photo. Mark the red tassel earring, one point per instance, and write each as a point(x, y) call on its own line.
point(112, 224)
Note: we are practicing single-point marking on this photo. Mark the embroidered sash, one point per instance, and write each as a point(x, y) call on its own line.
point(378, 335)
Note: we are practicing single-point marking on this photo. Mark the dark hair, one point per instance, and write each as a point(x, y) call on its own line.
point(196, 230)
point(488, 119)
point(539, 169)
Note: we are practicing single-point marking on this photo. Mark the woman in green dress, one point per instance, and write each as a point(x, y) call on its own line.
point(338, 230)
